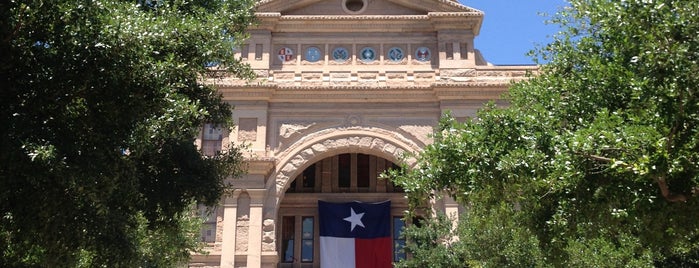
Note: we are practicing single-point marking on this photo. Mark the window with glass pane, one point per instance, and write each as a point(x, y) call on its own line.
point(212, 139)
point(208, 216)
point(344, 169)
point(363, 179)
point(288, 228)
point(398, 241)
point(307, 239)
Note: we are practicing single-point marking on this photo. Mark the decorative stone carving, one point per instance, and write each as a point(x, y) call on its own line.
point(353, 120)
point(458, 73)
point(287, 130)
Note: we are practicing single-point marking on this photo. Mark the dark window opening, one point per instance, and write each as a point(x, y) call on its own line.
point(450, 51)
point(344, 170)
point(463, 47)
point(363, 179)
point(309, 177)
point(292, 187)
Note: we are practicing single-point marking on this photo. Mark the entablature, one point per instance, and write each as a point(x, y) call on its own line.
point(483, 82)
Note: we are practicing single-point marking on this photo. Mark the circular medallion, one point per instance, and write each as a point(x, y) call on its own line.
point(367, 54)
point(340, 54)
point(312, 54)
point(422, 54)
point(285, 54)
point(354, 7)
point(395, 54)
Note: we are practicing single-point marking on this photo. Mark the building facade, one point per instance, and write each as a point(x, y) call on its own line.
point(346, 88)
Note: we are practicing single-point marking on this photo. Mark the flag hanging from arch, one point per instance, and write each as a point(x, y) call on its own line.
point(355, 234)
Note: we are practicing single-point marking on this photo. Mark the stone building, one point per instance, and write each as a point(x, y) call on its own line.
point(345, 89)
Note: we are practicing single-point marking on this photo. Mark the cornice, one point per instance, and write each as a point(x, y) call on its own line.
point(455, 14)
point(268, 14)
point(275, 21)
point(361, 94)
point(435, 5)
point(352, 17)
point(426, 5)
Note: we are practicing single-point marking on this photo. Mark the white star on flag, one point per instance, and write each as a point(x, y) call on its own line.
point(355, 219)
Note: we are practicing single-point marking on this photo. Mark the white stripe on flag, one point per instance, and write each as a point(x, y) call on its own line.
point(336, 252)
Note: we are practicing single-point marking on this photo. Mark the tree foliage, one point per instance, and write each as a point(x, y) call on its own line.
point(101, 101)
point(595, 161)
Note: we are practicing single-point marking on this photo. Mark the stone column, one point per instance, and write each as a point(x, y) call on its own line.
point(254, 258)
point(230, 210)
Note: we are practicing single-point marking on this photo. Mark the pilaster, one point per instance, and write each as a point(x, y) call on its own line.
point(254, 254)
point(230, 210)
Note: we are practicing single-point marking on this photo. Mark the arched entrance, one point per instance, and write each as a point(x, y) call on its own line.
point(343, 177)
point(345, 165)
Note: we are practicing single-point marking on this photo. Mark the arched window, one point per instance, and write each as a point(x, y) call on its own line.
point(345, 173)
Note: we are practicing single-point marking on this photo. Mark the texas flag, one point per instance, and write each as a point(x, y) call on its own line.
point(355, 234)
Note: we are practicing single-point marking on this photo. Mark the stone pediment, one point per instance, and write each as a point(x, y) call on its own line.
point(362, 7)
point(366, 16)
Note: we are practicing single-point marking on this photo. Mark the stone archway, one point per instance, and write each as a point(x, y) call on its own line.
point(384, 143)
point(380, 142)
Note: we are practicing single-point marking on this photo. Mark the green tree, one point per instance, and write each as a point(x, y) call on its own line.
point(595, 161)
point(101, 101)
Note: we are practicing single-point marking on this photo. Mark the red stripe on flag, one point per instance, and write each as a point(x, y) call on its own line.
point(373, 253)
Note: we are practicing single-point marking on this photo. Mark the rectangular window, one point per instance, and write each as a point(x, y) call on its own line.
point(398, 241)
point(309, 177)
point(208, 234)
point(307, 239)
point(288, 228)
point(258, 52)
point(449, 49)
point(344, 170)
point(363, 179)
point(245, 51)
point(212, 139)
point(464, 50)
point(208, 217)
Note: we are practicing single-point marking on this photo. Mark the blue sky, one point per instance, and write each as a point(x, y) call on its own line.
point(513, 27)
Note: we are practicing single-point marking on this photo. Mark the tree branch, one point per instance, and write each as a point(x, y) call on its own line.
point(662, 183)
point(669, 196)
